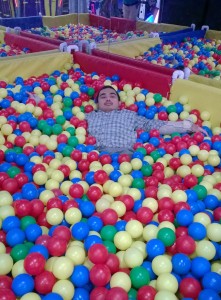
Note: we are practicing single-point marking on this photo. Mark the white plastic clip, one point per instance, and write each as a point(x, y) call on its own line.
point(72, 47)
point(193, 26)
point(8, 30)
point(205, 27)
point(63, 47)
point(17, 30)
point(84, 44)
point(92, 46)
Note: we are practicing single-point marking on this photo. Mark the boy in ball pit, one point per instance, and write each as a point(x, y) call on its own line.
point(115, 130)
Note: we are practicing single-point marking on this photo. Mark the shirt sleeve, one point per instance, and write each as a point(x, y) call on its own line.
point(147, 125)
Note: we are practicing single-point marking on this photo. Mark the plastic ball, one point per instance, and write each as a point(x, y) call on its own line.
point(64, 288)
point(190, 287)
point(146, 293)
point(34, 263)
point(122, 280)
point(161, 264)
point(44, 282)
point(22, 284)
point(117, 293)
point(6, 263)
point(100, 275)
point(98, 254)
point(62, 268)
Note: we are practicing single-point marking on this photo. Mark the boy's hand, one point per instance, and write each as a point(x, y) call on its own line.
point(196, 128)
point(34, 97)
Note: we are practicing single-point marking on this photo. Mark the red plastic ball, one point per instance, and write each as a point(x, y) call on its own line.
point(123, 157)
point(37, 207)
point(100, 177)
point(109, 216)
point(98, 293)
point(129, 215)
point(128, 201)
point(68, 204)
point(10, 185)
point(190, 180)
point(94, 193)
point(144, 215)
point(83, 165)
point(117, 293)
point(166, 215)
point(76, 155)
point(151, 191)
point(146, 293)
point(181, 231)
point(57, 246)
point(22, 208)
point(100, 275)
point(76, 191)
point(190, 288)
point(92, 156)
point(62, 232)
point(5, 282)
point(217, 214)
point(43, 240)
point(165, 203)
point(44, 282)
point(185, 244)
point(180, 205)
point(34, 263)
point(98, 253)
point(54, 203)
point(105, 159)
point(20, 141)
point(113, 263)
point(21, 179)
point(7, 294)
point(65, 170)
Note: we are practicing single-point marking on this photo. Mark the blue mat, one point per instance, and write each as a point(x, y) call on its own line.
point(180, 37)
point(24, 23)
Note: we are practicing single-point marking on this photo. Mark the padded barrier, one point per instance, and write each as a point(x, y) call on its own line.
point(213, 34)
point(153, 81)
point(206, 81)
point(24, 23)
point(187, 30)
point(130, 48)
point(66, 19)
point(201, 96)
point(132, 62)
point(121, 25)
point(41, 38)
point(97, 21)
point(24, 42)
point(158, 27)
point(27, 65)
point(180, 37)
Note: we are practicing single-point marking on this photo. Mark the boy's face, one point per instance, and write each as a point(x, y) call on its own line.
point(108, 100)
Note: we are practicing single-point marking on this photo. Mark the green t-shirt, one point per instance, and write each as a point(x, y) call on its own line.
point(130, 2)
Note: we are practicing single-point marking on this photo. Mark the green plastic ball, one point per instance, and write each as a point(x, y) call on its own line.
point(67, 150)
point(201, 191)
point(171, 108)
point(155, 155)
point(167, 236)
point(138, 183)
point(26, 221)
point(147, 170)
point(142, 150)
point(111, 248)
point(90, 91)
point(13, 171)
point(157, 98)
point(132, 294)
point(108, 232)
point(67, 102)
point(57, 129)
point(19, 252)
point(71, 130)
point(72, 141)
point(139, 277)
point(60, 120)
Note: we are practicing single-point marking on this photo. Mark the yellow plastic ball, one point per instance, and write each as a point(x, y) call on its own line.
point(57, 175)
point(6, 129)
point(125, 167)
point(6, 211)
point(163, 192)
point(63, 268)
point(203, 155)
point(136, 163)
point(2, 247)
point(165, 295)
point(161, 264)
point(18, 268)
point(64, 288)
point(150, 203)
point(183, 171)
point(125, 180)
point(141, 246)
point(115, 189)
point(133, 257)
point(76, 254)
point(134, 228)
point(214, 160)
point(54, 216)
point(102, 204)
point(205, 115)
point(150, 232)
point(122, 240)
point(214, 232)
point(32, 296)
point(40, 177)
point(127, 87)
point(73, 215)
point(6, 263)
point(202, 218)
point(119, 207)
point(5, 198)
point(197, 170)
point(121, 279)
point(179, 196)
point(216, 267)
point(205, 249)
point(45, 196)
point(167, 282)
point(186, 159)
point(134, 193)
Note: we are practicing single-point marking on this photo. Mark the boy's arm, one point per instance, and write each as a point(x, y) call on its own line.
point(168, 127)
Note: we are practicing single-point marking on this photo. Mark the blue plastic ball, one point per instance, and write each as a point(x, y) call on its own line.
point(80, 276)
point(87, 208)
point(154, 248)
point(91, 240)
point(80, 231)
point(32, 232)
point(208, 294)
point(30, 191)
point(95, 223)
point(15, 236)
point(22, 284)
point(184, 217)
point(212, 280)
point(40, 249)
point(53, 296)
point(10, 222)
point(200, 266)
point(181, 263)
point(197, 231)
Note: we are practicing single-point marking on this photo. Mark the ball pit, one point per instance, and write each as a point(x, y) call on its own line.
point(76, 32)
point(6, 50)
point(79, 224)
point(202, 56)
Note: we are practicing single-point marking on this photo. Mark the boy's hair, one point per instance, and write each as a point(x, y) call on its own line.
point(104, 88)
point(180, 67)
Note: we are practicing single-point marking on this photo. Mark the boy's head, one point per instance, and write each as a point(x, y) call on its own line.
point(108, 99)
